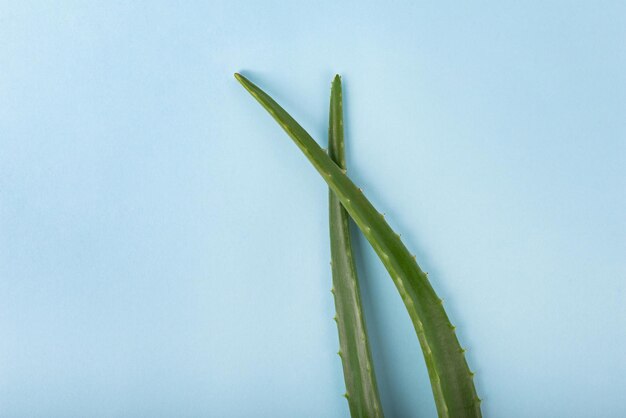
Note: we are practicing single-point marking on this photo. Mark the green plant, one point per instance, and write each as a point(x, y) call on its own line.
point(356, 358)
point(451, 380)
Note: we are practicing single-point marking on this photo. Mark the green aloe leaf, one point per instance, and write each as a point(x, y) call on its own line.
point(356, 358)
point(451, 380)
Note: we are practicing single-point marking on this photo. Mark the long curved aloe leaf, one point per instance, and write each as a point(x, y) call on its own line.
point(356, 358)
point(451, 380)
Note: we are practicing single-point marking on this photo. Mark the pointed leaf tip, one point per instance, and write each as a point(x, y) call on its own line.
point(243, 81)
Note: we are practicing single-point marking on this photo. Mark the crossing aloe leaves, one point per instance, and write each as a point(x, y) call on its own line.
point(451, 380)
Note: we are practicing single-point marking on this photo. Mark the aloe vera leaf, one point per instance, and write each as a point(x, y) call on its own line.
point(451, 380)
point(356, 358)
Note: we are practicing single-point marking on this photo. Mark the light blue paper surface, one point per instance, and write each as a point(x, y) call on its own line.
point(164, 246)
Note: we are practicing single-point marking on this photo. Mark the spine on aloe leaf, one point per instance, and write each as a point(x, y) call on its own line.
point(451, 380)
point(356, 358)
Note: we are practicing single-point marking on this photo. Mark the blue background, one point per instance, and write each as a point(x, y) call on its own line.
point(164, 246)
